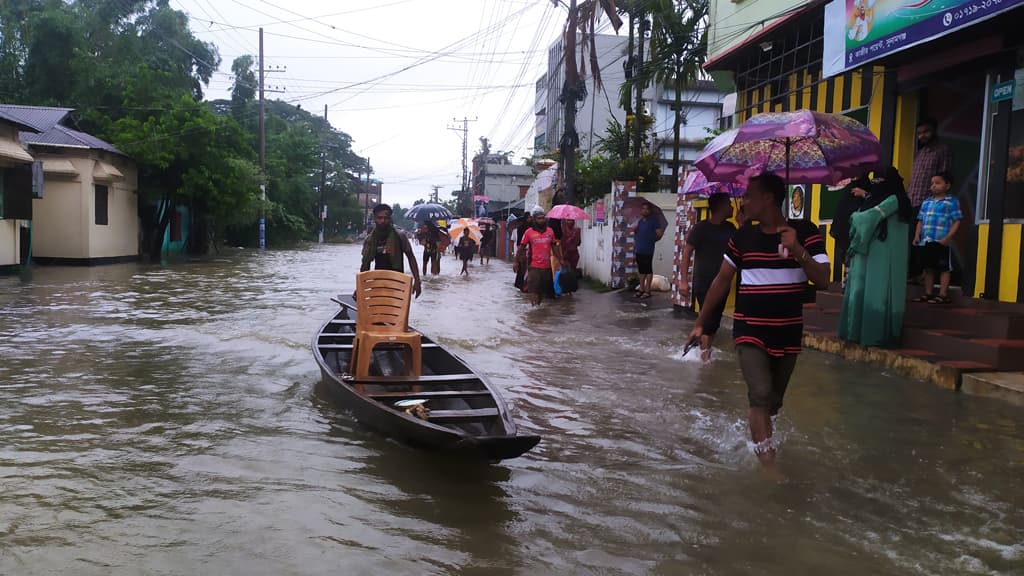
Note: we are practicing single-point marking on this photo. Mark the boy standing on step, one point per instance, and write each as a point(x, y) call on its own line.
point(936, 225)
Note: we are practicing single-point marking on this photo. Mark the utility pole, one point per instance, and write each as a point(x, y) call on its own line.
point(629, 67)
point(323, 178)
point(465, 157)
point(638, 115)
point(486, 147)
point(366, 198)
point(263, 147)
point(570, 95)
point(262, 153)
point(433, 196)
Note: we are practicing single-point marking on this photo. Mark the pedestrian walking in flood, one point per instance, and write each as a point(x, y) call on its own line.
point(542, 244)
point(384, 247)
point(938, 222)
point(646, 232)
point(428, 236)
point(521, 260)
point(570, 244)
point(488, 234)
point(705, 245)
point(775, 258)
point(466, 248)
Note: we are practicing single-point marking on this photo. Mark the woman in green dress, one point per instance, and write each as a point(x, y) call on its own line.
point(876, 288)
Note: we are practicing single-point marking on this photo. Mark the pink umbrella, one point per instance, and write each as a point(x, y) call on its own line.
point(568, 212)
point(806, 147)
point(696, 183)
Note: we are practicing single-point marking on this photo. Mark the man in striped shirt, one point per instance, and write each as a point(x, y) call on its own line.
point(775, 258)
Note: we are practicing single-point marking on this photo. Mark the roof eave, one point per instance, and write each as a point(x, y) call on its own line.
point(721, 61)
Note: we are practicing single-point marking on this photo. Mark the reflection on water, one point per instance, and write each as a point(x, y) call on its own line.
point(168, 421)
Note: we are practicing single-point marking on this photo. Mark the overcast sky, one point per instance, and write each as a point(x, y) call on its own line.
point(396, 73)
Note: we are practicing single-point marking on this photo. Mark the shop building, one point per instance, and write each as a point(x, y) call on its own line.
point(890, 65)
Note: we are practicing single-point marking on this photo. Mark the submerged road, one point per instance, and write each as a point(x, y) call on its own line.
point(167, 420)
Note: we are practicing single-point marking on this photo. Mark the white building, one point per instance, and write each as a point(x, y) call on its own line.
point(702, 106)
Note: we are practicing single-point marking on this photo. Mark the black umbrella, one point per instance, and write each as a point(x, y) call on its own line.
point(631, 207)
point(428, 211)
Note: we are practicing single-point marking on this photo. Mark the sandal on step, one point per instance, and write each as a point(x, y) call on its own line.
point(924, 298)
point(645, 295)
point(939, 300)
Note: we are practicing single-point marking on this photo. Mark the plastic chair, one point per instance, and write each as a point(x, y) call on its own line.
point(382, 303)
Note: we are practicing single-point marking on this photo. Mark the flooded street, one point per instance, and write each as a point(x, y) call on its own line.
point(167, 420)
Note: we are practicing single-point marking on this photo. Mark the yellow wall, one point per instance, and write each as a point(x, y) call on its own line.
point(64, 218)
point(1009, 261)
point(805, 92)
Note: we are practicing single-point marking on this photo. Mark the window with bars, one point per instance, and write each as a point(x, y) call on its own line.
point(796, 49)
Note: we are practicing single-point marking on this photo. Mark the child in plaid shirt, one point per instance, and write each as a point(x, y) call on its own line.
point(937, 222)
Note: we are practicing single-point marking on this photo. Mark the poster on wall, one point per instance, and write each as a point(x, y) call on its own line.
point(796, 202)
point(599, 214)
point(859, 31)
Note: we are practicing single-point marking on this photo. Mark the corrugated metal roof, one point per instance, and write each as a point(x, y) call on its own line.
point(64, 136)
point(17, 123)
point(42, 118)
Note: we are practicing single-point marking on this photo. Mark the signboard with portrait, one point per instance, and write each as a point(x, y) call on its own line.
point(859, 31)
point(599, 214)
point(796, 202)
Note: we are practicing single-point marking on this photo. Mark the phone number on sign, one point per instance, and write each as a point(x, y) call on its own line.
point(969, 11)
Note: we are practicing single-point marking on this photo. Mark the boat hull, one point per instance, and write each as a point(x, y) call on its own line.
point(467, 416)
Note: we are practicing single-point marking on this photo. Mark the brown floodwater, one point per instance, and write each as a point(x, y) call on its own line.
point(167, 420)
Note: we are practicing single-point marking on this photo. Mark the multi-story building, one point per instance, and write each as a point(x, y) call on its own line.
point(702, 114)
point(501, 181)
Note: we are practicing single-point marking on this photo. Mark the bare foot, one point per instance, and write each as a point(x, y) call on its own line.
point(770, 471)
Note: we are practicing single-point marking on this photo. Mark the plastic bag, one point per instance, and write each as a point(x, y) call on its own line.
point(558, 284)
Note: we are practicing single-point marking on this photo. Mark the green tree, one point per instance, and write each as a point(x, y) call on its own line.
point(678, 50)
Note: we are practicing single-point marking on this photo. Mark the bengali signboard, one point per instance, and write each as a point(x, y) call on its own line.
point(859, 31)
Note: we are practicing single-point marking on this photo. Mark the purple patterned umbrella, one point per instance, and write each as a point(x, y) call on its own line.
point(696, 183)
point(806, 147)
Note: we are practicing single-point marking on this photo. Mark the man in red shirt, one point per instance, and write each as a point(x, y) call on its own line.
point(540, 241)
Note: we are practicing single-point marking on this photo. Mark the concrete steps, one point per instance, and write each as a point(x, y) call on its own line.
point(968, 336)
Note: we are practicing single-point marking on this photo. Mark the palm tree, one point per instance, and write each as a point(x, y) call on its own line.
point(582, 18)
point(678, 50)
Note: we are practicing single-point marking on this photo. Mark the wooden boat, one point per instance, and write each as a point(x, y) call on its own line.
point(464, 412)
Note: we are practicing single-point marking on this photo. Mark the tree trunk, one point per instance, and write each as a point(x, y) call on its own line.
point(164, 220)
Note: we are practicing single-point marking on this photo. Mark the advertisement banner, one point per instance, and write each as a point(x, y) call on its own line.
point(599, 214)
point(872, 29)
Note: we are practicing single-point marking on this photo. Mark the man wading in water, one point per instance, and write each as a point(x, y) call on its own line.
point(776, 258)
point(385, 246)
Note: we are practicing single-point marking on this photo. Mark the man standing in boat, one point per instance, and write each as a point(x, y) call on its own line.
point(385, 246)
point(775, 258)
